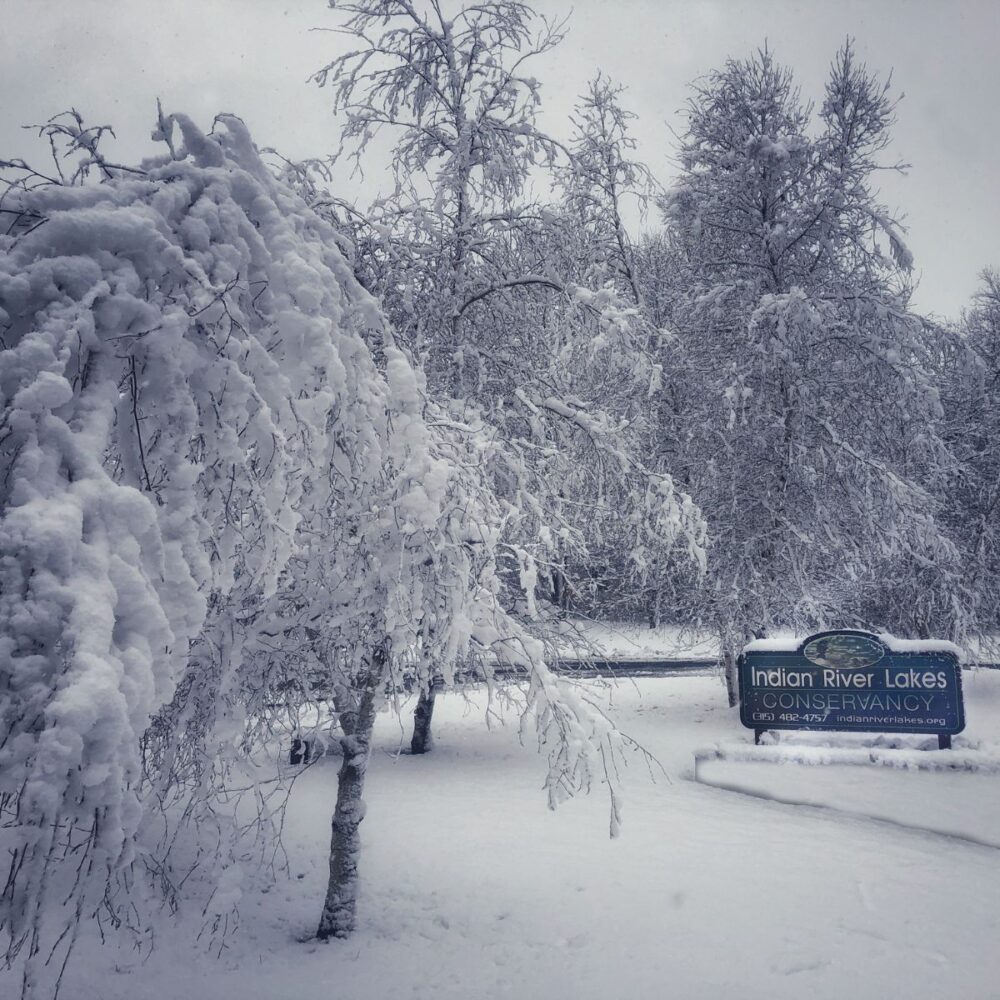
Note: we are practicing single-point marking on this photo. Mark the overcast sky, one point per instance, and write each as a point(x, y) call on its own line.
point(112, 58)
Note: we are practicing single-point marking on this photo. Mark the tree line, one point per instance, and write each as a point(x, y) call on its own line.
point(756, 349)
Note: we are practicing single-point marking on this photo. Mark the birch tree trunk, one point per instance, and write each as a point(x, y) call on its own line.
point(422, 741)
point(340, 907)
point(732, 680)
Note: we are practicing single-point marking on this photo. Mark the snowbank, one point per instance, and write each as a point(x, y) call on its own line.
point(904, 758)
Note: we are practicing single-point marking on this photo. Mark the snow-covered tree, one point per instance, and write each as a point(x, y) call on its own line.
point(157, 435)
point(602, 176)
point(806, 382)
point(477, 277)
point(602, 184)
point(221, 479)
point(455, 95)
point(971, 390)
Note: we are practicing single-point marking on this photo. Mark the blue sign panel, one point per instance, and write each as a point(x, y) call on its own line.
point(851, 681)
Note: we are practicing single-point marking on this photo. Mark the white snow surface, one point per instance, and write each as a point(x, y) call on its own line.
point(473, 890)
point(896, 645)
point(951, 779)
point(783, 642)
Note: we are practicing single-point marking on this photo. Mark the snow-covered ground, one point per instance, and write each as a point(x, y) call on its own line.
point(473, 890)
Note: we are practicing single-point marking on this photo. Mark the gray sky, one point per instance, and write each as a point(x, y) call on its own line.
point(112, 58)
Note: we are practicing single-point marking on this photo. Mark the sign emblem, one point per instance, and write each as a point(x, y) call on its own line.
point(844, 651)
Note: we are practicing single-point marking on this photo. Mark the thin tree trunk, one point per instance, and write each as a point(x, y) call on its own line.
point(340, 907)
point(422, 741)
point(732, 679)
point(559, 595)
point(654, 612)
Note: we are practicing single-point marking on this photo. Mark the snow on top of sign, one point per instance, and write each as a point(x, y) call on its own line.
point(783, 642)
point(787, 642)
point(895, 645)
